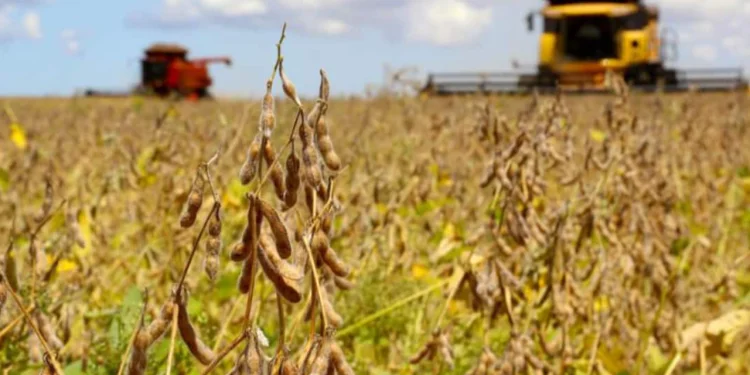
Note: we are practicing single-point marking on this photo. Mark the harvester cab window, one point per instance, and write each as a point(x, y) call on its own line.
point(589, 38)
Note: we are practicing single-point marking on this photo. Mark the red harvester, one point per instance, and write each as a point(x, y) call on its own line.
point(166, 70)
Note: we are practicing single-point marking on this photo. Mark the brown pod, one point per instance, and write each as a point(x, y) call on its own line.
point(211, 266)
point(254, 361)
point(306, 361)
point(339, 360)
point(334, 318)
point(193, 204)
point(319, 243)
point(277, 173)
point(250, 166)
point(47, 330)
point(214, 226)
point(288, 86)
point(428, 349)
point(248, 269)
point(213, 245)
point(323, 358)
point(138, 358)
point(267, 120)
point(187, 219)
point(325, 88)
point(288, 367)
point(278, 228)
point(200, 350)
point(309, 196)
point(325, 145)
point(292, 180)
point(343, 283)
point(311, 172)
point(327, 224)
point(330, 157)
point(239, 251)
point(307, 128)
point(158, 326)
point(285, 277)
point(337, 265)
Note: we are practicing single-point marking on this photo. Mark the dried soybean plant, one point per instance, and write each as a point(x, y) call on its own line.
point(277, 238)
point(583, 245)
point(174, 310)
point(43, 339)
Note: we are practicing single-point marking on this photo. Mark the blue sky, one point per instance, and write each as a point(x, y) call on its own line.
point(57, 46)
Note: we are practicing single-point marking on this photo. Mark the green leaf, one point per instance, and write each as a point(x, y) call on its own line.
point(130, 312)
point(75, 368)
point(114, 334)
point(678, 245)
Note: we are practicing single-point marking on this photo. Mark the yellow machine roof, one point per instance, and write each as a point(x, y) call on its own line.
point(608, 9)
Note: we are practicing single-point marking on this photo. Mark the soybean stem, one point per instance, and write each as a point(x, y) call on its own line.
point(220, 356)
point(19, 304)
point(170, 358)
point(195, 248)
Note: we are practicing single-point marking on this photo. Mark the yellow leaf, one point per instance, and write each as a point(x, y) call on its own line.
point(537, 202)
point(445, 181)
point(449, 231)
point(66, 265)
point(382, 208)
point(172, 113)
point(18, 136)
point(529, 293)
point(745, 182)
point(601, 304)
point(233, 194)
point(598, 135)
point(419, 271)
point(84, 222)
point(144, 158)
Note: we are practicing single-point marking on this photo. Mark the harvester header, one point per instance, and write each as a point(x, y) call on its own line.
point(581, 42)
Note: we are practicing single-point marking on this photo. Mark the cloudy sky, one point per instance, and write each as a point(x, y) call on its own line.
point(58, 46)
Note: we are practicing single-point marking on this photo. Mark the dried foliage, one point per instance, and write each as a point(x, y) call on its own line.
point(475, 235)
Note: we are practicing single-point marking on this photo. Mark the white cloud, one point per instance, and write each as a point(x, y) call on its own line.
point(14, 26)
point(234, 8)
point(446, 22)
point(703, 8)
point(441, 22)
point(332, 27)
point(705, 52)
point(32, 25)
point(71, 41)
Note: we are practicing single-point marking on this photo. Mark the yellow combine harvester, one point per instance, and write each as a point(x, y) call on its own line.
point(582, 40)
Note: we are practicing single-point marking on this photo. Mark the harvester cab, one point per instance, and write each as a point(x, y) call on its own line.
point(581, 42)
